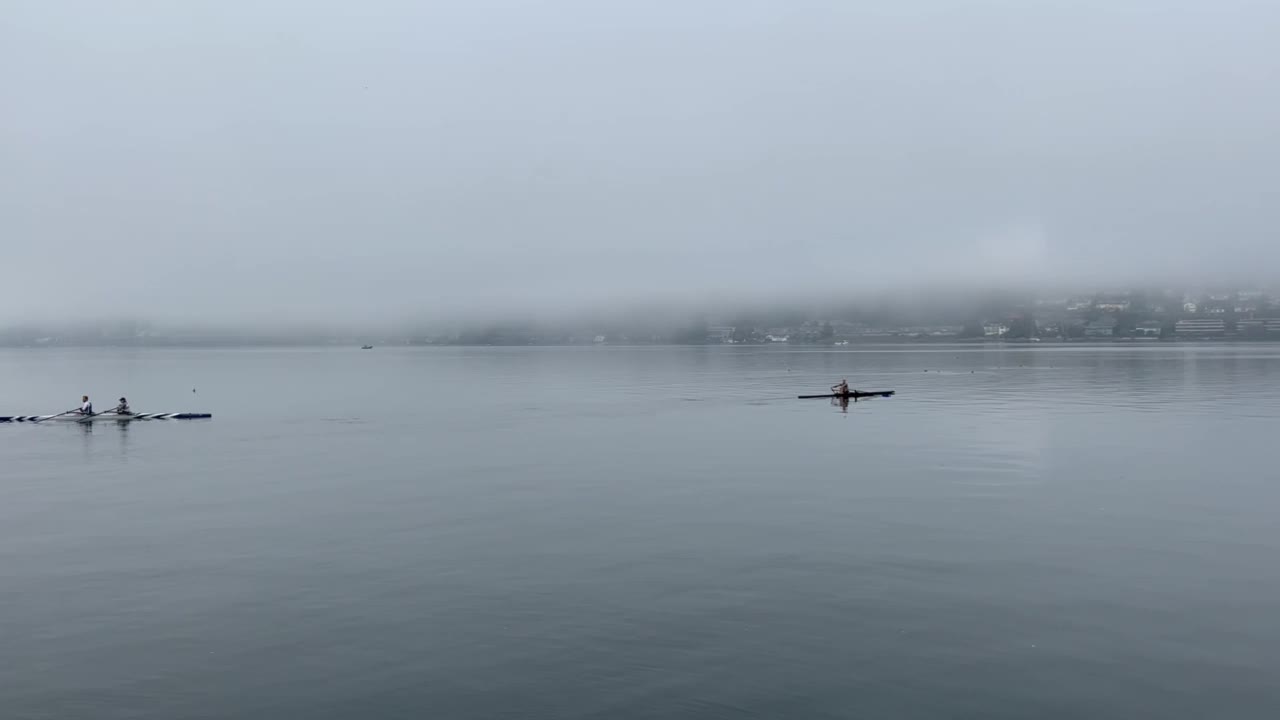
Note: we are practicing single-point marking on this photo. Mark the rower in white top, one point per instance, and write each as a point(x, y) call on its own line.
point(123, 408)
point(86, 407)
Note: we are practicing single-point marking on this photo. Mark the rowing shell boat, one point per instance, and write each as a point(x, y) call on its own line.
point(855, 394)
point(103, 417)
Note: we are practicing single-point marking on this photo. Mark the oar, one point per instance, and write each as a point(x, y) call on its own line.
point(58, 415)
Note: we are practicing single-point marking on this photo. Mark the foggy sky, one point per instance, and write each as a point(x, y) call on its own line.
point(303, 159)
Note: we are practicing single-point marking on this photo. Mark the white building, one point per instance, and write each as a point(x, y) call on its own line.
point(1200, 327)
point(1112, 306)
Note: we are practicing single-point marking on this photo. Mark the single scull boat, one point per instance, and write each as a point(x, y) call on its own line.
point(855, 394)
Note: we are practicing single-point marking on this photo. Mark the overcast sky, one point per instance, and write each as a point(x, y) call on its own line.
point(364, 159)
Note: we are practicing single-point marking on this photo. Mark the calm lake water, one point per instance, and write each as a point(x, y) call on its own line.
point(644, 533)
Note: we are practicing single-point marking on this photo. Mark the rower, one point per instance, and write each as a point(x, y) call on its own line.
point(86, 407)
point(842, 388)
point(123, 408)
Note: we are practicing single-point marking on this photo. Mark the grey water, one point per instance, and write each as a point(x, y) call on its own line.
point(1048, 532)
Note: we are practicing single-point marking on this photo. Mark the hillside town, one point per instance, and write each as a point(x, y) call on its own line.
point(1103, 316)
point(1122, 316)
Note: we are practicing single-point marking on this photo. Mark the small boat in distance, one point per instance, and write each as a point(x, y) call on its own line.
point(853, 394)
point(366, 347)
point(102, 417)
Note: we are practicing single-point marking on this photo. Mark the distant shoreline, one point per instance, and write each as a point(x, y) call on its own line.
point(356, 345)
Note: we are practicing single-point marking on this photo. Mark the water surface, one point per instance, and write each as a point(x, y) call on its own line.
point(643, 533)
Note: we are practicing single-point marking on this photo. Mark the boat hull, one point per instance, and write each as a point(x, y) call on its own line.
point(103, 417)
point(854, 395)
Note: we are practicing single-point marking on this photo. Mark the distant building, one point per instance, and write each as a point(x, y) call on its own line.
point(1102, 327)
point(1200, 327)
point(1189, 308)
point(776, 338)
point(1112, 305)
point(995, 329)
point(1269, 326)
point(1148, 329)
